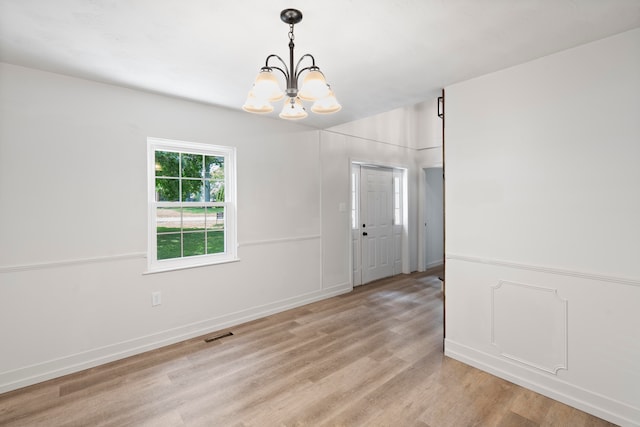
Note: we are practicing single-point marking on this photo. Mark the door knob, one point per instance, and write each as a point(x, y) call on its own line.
point(364, 233)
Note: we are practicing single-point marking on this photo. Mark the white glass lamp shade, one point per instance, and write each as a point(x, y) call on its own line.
point(293, 110)
point(314, 86)
point(327, 105)
point(256, 105)
point(266, 86)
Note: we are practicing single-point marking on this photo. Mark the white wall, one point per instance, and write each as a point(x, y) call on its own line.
point(543, 242)
point(73, 224)
point(73, 221)
point(415, 126)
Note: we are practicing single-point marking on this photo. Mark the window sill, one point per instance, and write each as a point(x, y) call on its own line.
point(161, 269)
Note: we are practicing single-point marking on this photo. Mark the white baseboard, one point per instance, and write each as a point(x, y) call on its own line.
point(28, 375)
point(593, 403)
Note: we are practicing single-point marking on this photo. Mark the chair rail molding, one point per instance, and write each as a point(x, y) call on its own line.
point(542, 269)
point(71, 262)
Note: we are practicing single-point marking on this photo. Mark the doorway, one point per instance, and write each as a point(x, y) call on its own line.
point(377, 222)
point(433, 218)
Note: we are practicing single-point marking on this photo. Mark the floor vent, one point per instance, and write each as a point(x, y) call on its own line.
point(228, 334)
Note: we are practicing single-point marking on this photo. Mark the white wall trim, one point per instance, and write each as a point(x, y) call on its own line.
point(132, 255)
point(594, 403)
point(370, 139)
point(550, 270)
point(70, 262)
point(28, 375)
point(281, 240)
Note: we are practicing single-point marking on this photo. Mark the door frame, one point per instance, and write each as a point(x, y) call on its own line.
point(405, 214)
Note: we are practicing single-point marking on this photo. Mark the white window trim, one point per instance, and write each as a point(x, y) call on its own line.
point(231, 253)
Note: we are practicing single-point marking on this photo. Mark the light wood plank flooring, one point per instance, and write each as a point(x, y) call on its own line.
point(372, 357)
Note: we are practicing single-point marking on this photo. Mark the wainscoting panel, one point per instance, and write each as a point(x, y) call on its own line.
point(529, 325)
point(570, 335)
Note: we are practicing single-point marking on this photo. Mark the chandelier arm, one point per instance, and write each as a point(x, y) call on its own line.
point(312, 67)
point(297, 73)
point(286, 75)
point(285, 71)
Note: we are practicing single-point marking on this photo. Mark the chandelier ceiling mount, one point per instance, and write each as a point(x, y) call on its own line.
point(291, 16)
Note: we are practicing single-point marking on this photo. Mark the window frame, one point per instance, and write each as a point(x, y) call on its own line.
point(230, 253)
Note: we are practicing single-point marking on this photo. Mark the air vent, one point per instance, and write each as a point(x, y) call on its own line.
point(228, 334)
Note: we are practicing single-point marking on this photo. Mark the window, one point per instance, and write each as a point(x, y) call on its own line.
point(191, 204)
point(355, 176)
point(397, 200)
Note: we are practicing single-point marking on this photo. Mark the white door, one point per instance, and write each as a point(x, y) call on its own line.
point(376, 218)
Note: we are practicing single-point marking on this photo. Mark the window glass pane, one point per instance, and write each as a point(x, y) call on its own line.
point(167, 190)
point(167, 163)
point(209, 192)
point(215, 218)
point(214, 167)
point(168, 220)
point(192, 190)
point(354, 205)
point(192, 165)
point(215, 242)
point(214, 191)
point(169, 245)
point(193, 243)
point(193, 218)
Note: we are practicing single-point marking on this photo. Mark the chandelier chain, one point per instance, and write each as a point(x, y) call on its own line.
point(291, 36)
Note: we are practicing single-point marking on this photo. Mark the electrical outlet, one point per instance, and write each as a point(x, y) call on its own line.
point(156, 298)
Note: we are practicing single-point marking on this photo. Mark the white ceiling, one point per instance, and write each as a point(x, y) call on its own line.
point(378, 55)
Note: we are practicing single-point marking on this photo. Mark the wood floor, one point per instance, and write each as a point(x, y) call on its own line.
point(372, 357)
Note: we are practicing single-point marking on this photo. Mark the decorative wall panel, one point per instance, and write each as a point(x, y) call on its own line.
point(529, 325)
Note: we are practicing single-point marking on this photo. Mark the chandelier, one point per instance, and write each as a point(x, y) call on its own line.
point(314, 86)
